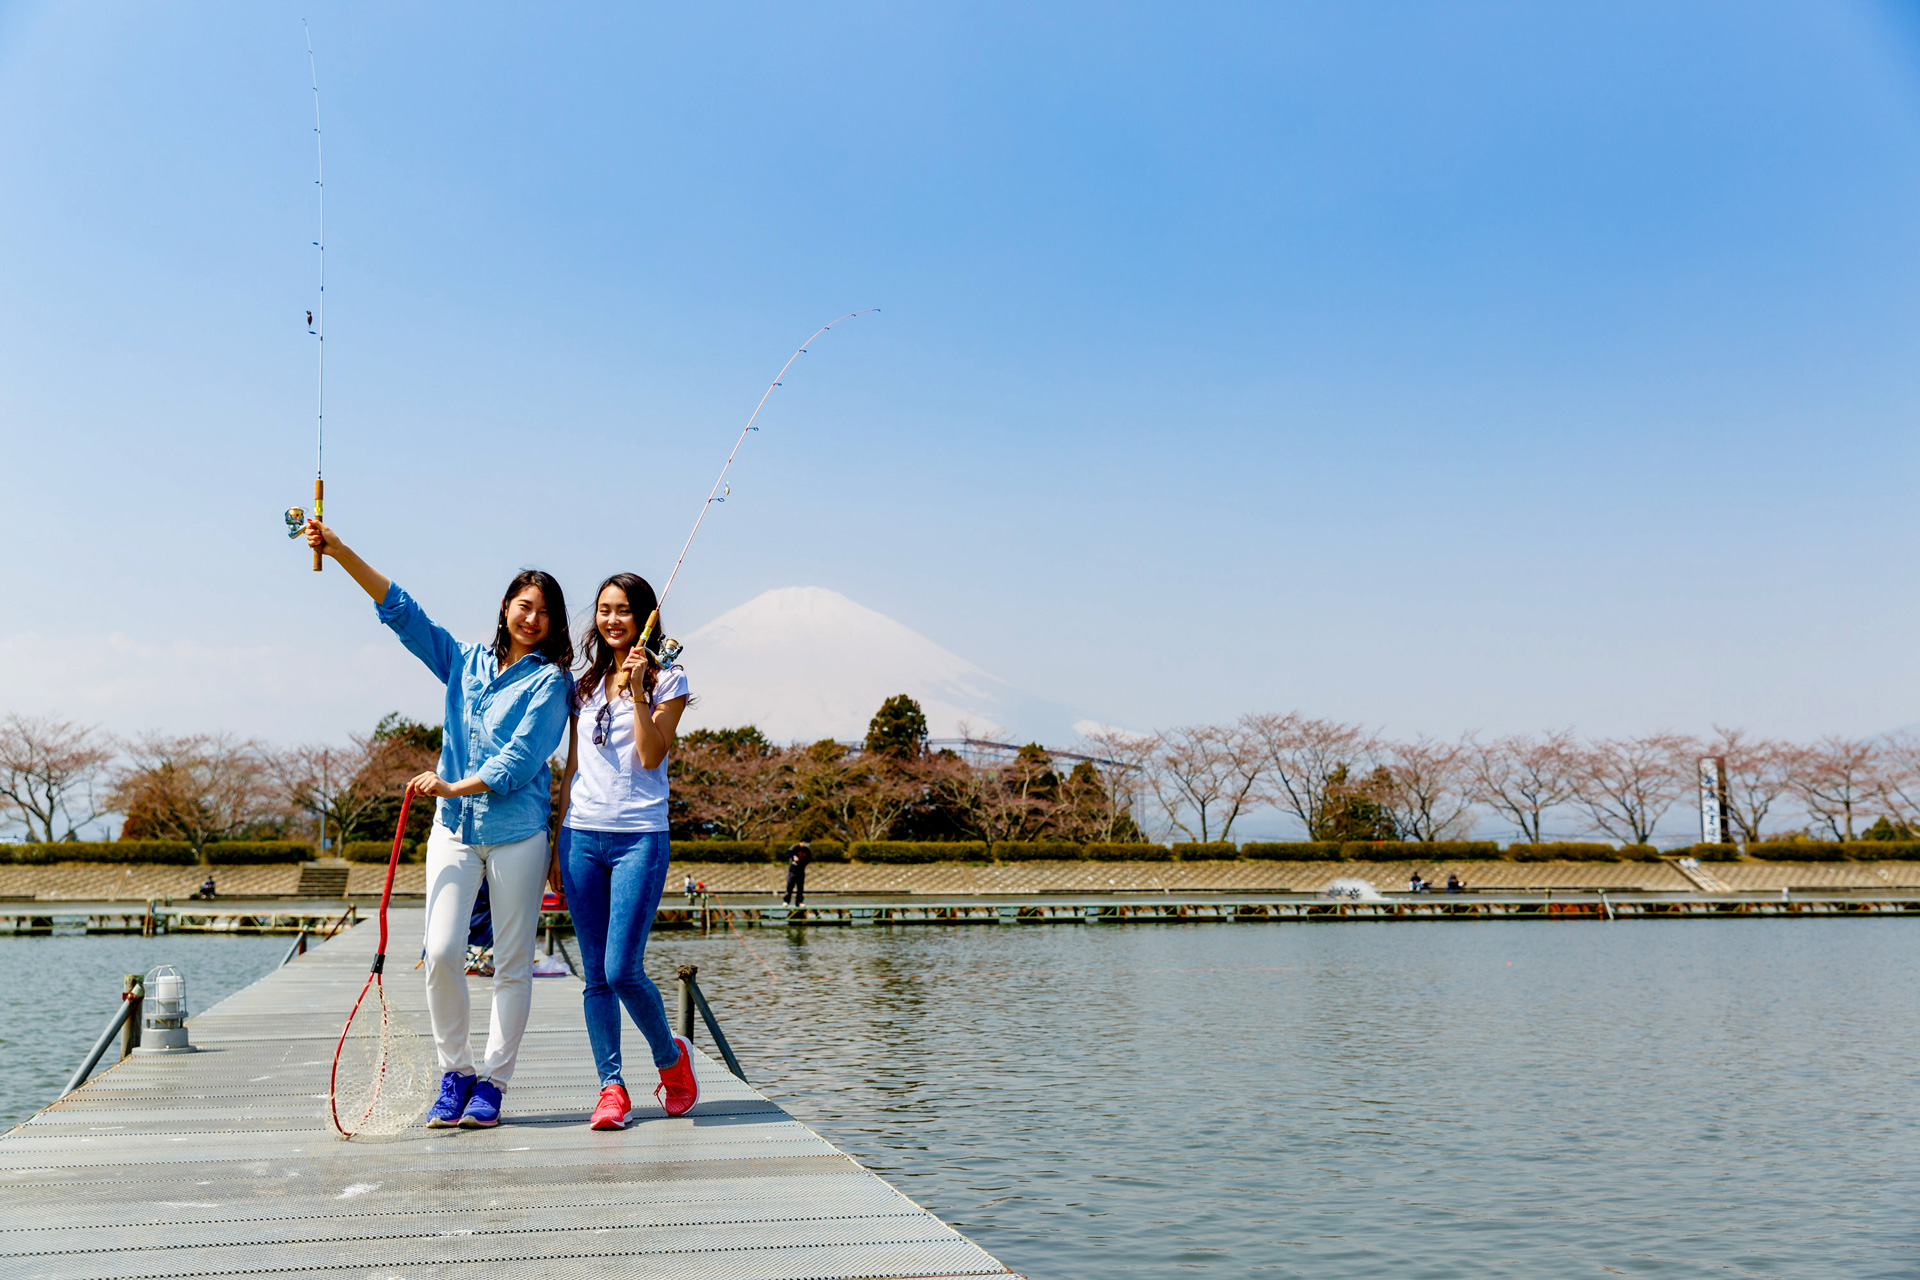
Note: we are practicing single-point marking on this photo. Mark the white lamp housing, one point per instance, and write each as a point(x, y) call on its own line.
point(163, 1016)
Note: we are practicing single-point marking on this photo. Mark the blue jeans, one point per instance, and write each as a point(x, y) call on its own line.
point(613, 881)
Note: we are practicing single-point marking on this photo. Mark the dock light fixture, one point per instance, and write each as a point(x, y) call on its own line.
point(164, 1013)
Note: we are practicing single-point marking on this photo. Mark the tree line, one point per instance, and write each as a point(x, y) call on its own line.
point(1339, 781)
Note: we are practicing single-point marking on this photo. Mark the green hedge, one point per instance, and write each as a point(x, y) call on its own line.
point(1708, 852)
point(166, 853)
point(910, 851)
point(1210, 851)
point(381, 850)
point(722, 851)
point(1797, 850)
point(1292, 850)
point(229, 853)
point(171, 853)
point(1127, 852)
point(1419, 851)
point(1039, 851)
point(1889, 850)
point(1562, 851)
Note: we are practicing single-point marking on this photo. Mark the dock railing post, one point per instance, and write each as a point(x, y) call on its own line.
point(119, 1019)
point(684, 1022)
point(133, 991)
point(690, 996)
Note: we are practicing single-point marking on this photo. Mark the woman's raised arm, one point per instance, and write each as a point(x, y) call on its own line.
point(327, 543)
point(424, 638)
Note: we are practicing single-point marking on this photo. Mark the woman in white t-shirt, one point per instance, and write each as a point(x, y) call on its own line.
point(613, 841)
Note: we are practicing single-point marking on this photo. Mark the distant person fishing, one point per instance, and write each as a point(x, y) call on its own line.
point(613, 847)
point(507, 706)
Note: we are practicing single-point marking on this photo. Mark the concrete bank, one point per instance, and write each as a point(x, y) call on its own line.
point(322, 882)
point(218, 1163)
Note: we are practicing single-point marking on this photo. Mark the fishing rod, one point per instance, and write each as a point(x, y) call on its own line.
point(670, 648)
point(316, 322)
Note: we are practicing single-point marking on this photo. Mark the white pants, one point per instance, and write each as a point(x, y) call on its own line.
point(515, 874)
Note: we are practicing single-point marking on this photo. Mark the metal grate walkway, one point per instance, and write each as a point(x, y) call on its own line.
point(218, 1163)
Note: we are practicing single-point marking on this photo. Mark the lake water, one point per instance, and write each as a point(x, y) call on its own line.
point(1725, 1098)
point(1662, 1098)
point(56, 994)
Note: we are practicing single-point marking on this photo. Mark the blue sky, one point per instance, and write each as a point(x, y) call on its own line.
point(1436, 367)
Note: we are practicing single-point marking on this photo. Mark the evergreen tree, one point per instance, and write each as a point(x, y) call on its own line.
point(898, 730)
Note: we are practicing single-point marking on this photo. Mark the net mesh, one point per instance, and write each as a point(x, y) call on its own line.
point(384, 1078)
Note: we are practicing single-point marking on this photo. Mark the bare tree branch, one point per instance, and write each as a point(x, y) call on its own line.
point(1627, 784)
point(48, 770)
point(1302, 762)
point(1521, 777)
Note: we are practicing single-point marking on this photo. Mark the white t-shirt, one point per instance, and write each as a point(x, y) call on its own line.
point(611, 792)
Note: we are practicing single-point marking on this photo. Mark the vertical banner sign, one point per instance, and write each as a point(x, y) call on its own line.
point(1713, 801)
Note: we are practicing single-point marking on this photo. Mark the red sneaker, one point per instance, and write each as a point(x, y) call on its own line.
point(678, 1090)
point(613, 1108)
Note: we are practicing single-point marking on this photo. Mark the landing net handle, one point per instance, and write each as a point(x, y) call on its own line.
point(373, 975)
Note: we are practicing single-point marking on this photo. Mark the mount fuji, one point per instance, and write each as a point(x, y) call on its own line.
point(805, 663)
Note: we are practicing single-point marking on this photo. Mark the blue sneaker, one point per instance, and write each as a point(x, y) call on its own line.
point(483, 1108)
point(455, 1089)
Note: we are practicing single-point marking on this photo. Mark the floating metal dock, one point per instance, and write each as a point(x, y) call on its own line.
point(717, 913)
point(1574, 905)
point(218, 1163)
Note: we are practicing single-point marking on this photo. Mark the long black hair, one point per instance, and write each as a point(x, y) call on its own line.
point(595, 650)
point(557, 648)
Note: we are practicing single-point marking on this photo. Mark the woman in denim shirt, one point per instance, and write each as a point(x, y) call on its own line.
point(507, 707)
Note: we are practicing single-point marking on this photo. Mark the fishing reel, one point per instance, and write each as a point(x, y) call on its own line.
point(667, 654)
point(296, 521)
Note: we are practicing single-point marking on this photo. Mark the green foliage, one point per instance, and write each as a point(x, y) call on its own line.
point(1292, 851)
point(394, 727)
point(1885, 829)
point(1877, 850)
point(1708, 852)
point(746, 741)
point(1419, 851)
point(1563, 851)
point(1797, 851)
point(1039, 851)
point(909, 851)
point(258, 852)
point(1127, 852)
point(898, 729)
point(1638, 853)
point(166, 853)
point(380, 850)
point(722, 851)
point(1352, 809)
point(170, 853)
point(1210, 851)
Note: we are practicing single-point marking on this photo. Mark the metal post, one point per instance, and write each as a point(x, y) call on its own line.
point(299, 948)
point(99, 1047)
point(134, 992)
point(684, 1023)
point(713, 1027)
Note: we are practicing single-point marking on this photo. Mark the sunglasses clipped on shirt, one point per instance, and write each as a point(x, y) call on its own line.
point(603, 724)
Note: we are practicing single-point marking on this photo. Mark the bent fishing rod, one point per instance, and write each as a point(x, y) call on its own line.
point(669, 648)
point(316, 322)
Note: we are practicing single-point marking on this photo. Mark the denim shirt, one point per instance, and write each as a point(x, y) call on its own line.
point(501, 725)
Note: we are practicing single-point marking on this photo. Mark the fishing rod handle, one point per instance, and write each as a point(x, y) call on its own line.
point(621, 679)
point(319, 491)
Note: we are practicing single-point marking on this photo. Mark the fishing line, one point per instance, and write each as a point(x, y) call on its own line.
point(669, 648)
point(382, 1074)
point(727, 915)
point(317, 320)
